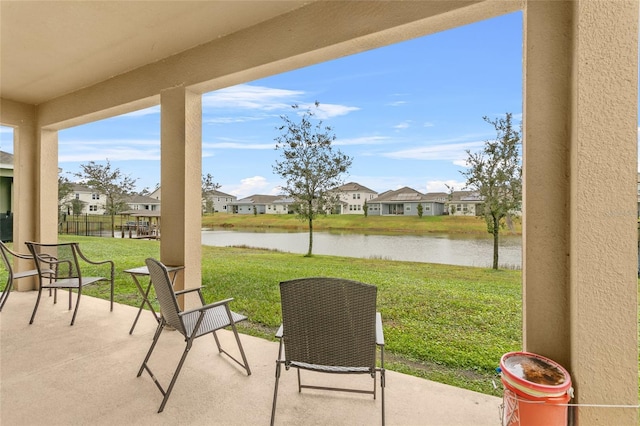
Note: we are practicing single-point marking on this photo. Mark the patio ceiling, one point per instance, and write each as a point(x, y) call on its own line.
point(51, 48)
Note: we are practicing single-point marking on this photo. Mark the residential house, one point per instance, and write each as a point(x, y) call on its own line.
point(404, 201)
point(91, 201)
point(142, 203)
point(464, 203)
point(221, 201)
point(6, 182)
point(353, 198)
point(262, 204)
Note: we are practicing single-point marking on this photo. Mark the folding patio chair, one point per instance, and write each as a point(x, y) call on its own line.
point(59, 267)
point(192, 323)
point(330, 325)
point(7, 258)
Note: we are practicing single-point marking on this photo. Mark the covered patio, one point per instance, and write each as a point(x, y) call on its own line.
point(68, 63)
point(86, 374)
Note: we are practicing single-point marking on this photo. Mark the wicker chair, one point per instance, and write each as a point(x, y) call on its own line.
point(191, 324)
point(58, 267)
point(7, 258)
point(330, 325)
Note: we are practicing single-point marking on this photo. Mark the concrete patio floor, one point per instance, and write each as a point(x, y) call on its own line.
point(55, 374)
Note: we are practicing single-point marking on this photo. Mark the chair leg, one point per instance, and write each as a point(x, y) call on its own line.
point(35, 308)
point(5, 294)
point(244, 357)
point(153, 345)
point(175, 375)
point(275, 390)
point(75, 311)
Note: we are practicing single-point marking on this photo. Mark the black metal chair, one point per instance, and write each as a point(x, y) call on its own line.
point(330, 325)
point(58, 267)
point(192, 324)
point(8, 256)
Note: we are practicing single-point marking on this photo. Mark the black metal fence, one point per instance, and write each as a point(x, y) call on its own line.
point(86, 225)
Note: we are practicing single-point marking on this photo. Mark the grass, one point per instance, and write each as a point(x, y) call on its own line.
point(445, 323)
point(358, 223)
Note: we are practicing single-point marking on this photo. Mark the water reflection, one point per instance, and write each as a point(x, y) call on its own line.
point(467, 250)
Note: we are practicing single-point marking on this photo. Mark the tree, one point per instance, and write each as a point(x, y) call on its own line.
point(114, 185)
point(208, 189)
point(365, 207)
point(77, 206)
point(64, 189)
point(310, 167)
point(420, 210)
point(496, 174)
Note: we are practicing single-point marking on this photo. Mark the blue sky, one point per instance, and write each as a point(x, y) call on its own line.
point(406, 113)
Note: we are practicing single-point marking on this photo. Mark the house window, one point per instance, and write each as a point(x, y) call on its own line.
point(95, 196)
point(359, 207)
point(458, 207)
point(358, 196)
point(427, 208)
point(77, 196)
point(93, 208)
point(354, 196)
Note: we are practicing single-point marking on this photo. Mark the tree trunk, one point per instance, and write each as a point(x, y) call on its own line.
point(310, 237)
point(113, 225)
point(496, 235)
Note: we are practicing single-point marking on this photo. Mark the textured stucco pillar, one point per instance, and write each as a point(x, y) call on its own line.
point(25, 208)
point(181, 181)
point(47, 187)
point(580, 161)
point(35, 177)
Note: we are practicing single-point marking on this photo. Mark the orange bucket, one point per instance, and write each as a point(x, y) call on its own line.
point(536, 390)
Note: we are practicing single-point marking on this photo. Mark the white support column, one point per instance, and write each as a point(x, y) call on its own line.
point(580, 237)
point(181, 182)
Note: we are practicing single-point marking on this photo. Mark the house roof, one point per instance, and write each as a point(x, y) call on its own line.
point(6, 158)
point(353, 186)
point(76, 187)
point(142, 199)
point(467, 196)
point(405, 194)
point(258, 199)
point(217, 193)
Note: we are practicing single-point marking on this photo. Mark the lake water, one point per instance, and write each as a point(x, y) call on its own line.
point(440, 248)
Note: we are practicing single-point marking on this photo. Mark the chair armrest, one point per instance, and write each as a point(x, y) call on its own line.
point(93, 262)
point(206, 307)
point(379, 331)
point(188, 290)
point(280, 332)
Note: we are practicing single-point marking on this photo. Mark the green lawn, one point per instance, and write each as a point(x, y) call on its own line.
point(359, 223)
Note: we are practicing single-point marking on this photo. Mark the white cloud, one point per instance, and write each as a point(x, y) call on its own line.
point(428, 124)
point(143, 112)
point(444, 151)
point(235, 119)
point(112, 149)
point(441, 185)
point(324, 111)
point(403, 125)
point(250, 186)
point(397, 103)
point(246, 96)
point(364, 140)
point(238, 145)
